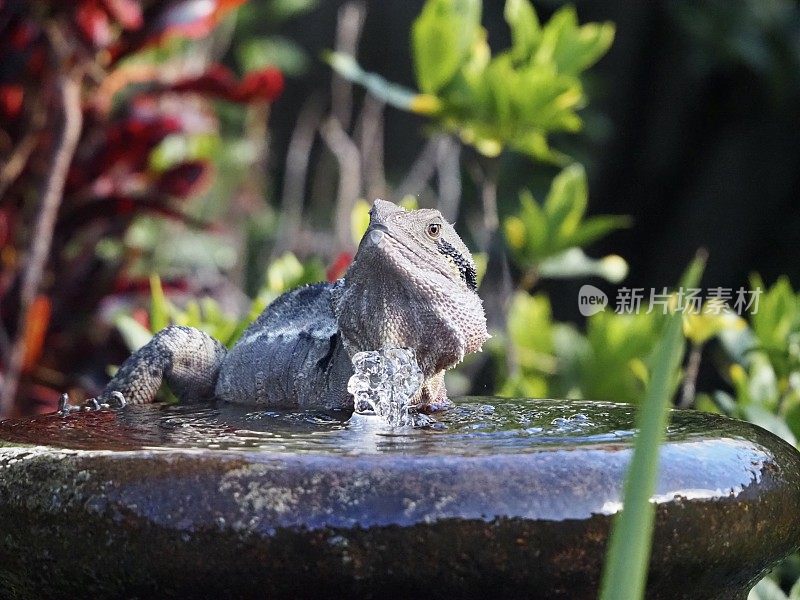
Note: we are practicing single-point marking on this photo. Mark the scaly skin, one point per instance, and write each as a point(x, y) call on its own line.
point(411, 285)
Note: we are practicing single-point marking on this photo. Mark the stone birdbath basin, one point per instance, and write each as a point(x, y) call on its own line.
point(499, 499)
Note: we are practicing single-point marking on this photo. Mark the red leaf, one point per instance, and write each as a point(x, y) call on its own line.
point(266, 84)
point(140, 315)
point(11, 100)
point(21, 36)
point(186, 179)
point(36, 61)
point(35, 331)
point(92, 22)
point(5, 226)
point(216, 81)
point(127, 13)
point(184, 18)
point(339, 266)
point(125, 206)
point(128, 145)
point(219, 81)
point(141, 285)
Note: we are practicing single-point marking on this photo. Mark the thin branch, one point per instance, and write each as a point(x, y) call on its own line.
point(257, 128)
point(497, 287)
point(421, 170)
point(69, 94)
point(5, 344)
point(448, 172)
point(529, 280)
point(347, 155)
point(19, 156)
point(296, 172)
point(369, 133)
point(350, 23)
point(491, 221)
point(690, 378)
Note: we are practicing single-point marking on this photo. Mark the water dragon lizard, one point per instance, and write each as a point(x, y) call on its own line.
point(412, 284)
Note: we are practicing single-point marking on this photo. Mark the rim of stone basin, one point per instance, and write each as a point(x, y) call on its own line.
point(545, 476)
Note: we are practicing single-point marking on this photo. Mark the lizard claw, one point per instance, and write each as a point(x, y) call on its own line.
point(115, 400)
point(64, 407)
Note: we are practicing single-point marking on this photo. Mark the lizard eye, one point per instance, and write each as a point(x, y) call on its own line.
point(433, 230)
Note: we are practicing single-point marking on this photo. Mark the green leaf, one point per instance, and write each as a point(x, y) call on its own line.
point(159, 305)
point(177, 148)
point(192, 315)
point(701, 326)
point(525, 29)
point(286, 272)
point(534, 143)
point(573, 49)
point(133, 333)
point(565, 205)
point(281, 10)
point(772, 423)
point(536, 234)
point(766, 589)
point(557, 230)
point(359, 219)
point(778, 313)
point(481, 260)
point(595, 228)
point(529, 326)
point(274, 51)
point(545, 99)
point(791, 413)
point(607, 371)
point(794, 593)
point(442, 37)
point(500, 78)
point(625, 571)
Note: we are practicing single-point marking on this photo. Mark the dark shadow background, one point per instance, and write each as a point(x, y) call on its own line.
point(692, 129)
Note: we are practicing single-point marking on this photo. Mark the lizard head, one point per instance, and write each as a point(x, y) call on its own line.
point(412, 284)
point(421, 240)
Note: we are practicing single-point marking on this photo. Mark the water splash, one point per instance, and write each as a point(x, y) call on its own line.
point(386, 382)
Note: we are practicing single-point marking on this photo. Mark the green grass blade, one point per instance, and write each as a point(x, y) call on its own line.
point(625, 572)
point(159, 305)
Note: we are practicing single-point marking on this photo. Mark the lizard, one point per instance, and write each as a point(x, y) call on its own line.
point(411, 284)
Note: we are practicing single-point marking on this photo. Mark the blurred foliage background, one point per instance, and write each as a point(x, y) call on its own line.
point(187, 161)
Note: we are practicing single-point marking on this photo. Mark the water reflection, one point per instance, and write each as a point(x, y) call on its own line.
point(475, 426)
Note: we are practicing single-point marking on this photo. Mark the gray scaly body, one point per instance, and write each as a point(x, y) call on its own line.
point(411, 285)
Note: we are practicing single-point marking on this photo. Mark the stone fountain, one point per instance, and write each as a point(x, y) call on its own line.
point(496, 498)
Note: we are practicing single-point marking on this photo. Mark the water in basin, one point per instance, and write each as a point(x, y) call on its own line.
point(474, 426)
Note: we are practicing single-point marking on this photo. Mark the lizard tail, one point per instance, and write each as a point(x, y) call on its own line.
point(187, 359)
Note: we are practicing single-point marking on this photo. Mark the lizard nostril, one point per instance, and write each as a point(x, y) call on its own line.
point(376, 236)
point(379, 227)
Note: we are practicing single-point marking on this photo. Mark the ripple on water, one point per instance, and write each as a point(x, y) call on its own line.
point(474, 426)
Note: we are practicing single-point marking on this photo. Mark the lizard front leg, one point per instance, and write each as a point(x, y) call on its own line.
point(187, 359)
